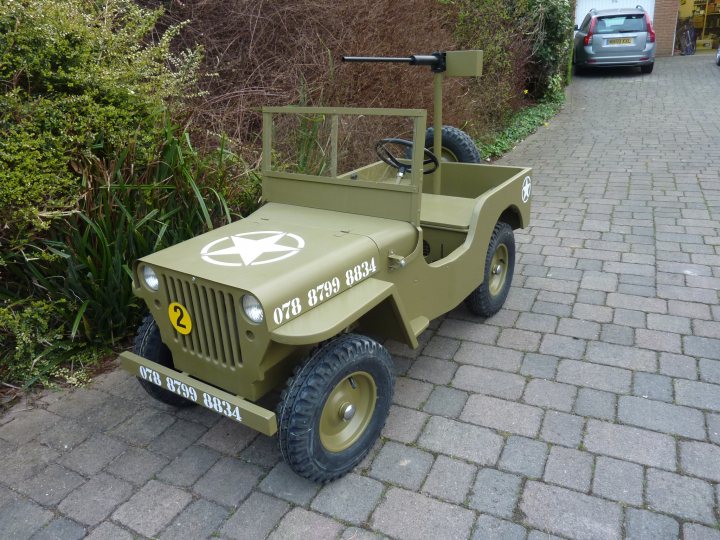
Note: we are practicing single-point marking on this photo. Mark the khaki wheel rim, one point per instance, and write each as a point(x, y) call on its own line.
point(448, 156)
point(498, 270)
point(347, 411)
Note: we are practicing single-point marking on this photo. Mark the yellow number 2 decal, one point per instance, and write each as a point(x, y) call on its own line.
point(180, 318)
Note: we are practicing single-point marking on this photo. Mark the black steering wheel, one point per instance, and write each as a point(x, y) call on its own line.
point(386, 156)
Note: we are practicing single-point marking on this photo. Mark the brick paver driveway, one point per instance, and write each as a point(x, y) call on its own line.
point(588, 408)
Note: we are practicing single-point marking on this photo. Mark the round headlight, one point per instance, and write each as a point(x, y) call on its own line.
point(151, 280)
point(252, 308)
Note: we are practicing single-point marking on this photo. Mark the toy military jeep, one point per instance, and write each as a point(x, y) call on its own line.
point(288, 296)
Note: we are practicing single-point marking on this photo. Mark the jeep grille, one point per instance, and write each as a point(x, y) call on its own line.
point(215, 332)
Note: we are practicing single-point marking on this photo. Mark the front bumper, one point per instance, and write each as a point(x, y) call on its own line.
point(203, 394)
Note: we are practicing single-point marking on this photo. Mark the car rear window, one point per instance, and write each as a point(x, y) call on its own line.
point(618, 24)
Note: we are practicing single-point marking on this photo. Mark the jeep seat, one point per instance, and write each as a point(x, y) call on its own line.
point(446, 212)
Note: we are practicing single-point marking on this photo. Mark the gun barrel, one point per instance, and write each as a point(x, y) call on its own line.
point(397, 59)
point(435, 61)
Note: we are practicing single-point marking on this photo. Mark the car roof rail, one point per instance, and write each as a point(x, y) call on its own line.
point(639, 7)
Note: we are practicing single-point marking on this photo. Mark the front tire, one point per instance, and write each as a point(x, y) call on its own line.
point(490, 296)
point(148, 344)
point(334, 407)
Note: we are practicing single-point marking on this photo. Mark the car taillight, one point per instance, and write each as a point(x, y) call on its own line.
point(650, 31)
point(589, 35)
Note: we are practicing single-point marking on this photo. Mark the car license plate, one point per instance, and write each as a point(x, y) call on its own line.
point(620, 41)
point(187, 391)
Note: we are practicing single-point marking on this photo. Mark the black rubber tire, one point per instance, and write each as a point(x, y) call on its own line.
point(647, 68)
point(456, 141)
point(302, 402)
point(148, 344)
point(481, 301)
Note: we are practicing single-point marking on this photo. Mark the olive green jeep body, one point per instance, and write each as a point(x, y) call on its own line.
point(289, 292)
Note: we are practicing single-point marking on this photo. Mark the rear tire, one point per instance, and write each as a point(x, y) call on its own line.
point(647, 68)
point(334, 407)
point(490, 296)
point(457, 146)
point(148, 344)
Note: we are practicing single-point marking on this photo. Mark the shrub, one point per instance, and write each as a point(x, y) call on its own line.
point(551, 36)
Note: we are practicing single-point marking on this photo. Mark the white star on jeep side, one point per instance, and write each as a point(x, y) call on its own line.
point(526, 189)
point(249, 249)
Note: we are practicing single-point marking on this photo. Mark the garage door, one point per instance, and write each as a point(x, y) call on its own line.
point(583, 6)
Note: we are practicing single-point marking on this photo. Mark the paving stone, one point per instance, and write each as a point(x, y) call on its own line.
point(618, 480)
point(561, 428)
point(262, 451)
point(21, 463)
point(472, 331)
point(668, 323)
point(595, 403)
point(403, 424)
point(644, 525)
point(143, 426)
point(137, 465)
point(149, 510)
point(402, 465)
point(50, 486)
point(20, 519)
point(569, 468)
point(631, 444)
point(489, 381)
point(524, 456)
point(449, 479)
point(693, 531)
point(284, 483)
point(700, 459)
point(551, 308)
point(352, 498)
point(411, 393)
point(599, 281)
point(199, 415)
point(488, 356)
point(653, 386)
point(594, 376)
point(411, 516)
point(521, 340)
point(94, 454)
point(620, 335)
point(495, 492)
point(713, 423)
point(569, 513)
point(681, 496)
point(27, 425)
point(60, 528)
point(64, 435)
point(550, 394)
point(660, 416)
point(629, 317)
point(172, 442)
point(199, 520)
point(710, 370)
point(472, 443)
point(539, 365)
point(562, 346)
point(229, 481)
point(441, 347)
point(185, 469)
point(700, 346)
point(109, 412)
point(255, 518)
point(620, 356)
point(300, 523)
point(677, 365)
point(502, 415)
point(356, 533)
point(228, 437)
point(110, 531)
point(95, 500)
point(433, 370)
point(537, 535)
point(697, 394)
point(537, 322)
point(491, 527)
point(592, 309)
point(445, 402)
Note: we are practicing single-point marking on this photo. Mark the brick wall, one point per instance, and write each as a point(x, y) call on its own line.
point(665, 22)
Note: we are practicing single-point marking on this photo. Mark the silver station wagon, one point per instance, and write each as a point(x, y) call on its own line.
point(615, 37)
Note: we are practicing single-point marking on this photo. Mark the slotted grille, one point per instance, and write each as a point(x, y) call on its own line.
point(215, 334)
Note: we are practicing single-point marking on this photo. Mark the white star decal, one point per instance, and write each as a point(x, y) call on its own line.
point(249, 248)
point(526, 189)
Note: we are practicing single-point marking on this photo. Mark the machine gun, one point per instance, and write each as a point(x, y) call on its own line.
point(436, 61)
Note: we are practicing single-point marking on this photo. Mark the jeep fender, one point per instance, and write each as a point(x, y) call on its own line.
point(372, 296)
